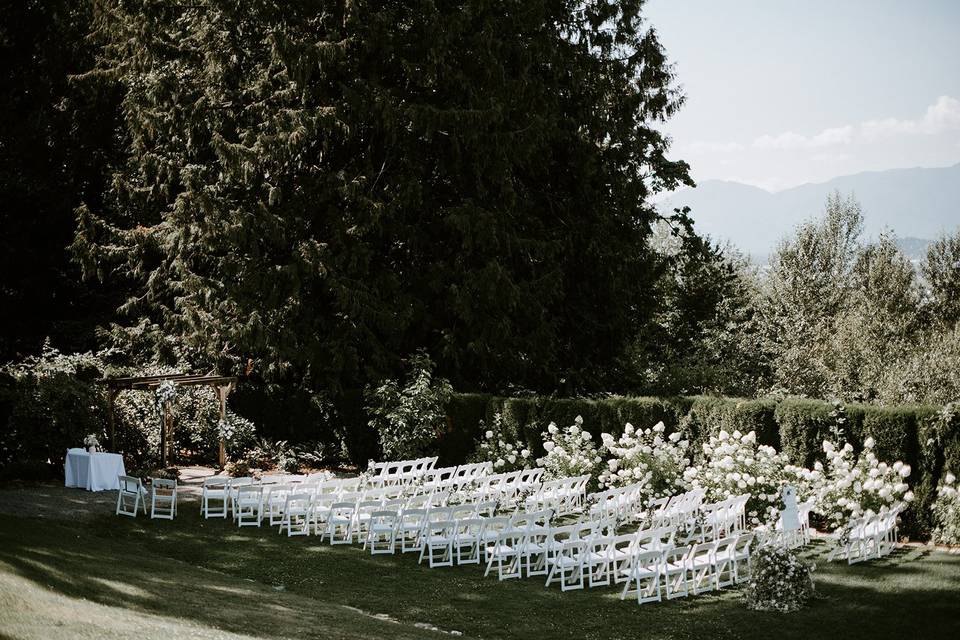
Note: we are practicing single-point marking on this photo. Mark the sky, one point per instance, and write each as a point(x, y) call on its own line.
point(781, 93)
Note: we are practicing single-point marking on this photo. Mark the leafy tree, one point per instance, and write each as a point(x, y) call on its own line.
point(941, 271)
point(879, 325)
point(315, 188)
point(703, 337)
point(807, 288)
point(55, 142)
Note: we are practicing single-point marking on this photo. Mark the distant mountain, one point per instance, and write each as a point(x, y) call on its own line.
point(913, 203)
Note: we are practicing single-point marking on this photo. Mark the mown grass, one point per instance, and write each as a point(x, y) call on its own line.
point(116, 577)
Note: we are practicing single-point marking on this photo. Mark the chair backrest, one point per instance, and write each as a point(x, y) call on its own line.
point(486, 509)
point(384, 517)
point(298, 502)
point(496, 524)
point(677, 555)
point(215, 483)
point(248, 491)
point(130, 485)
point(272, 479)
point(414, 517)
point(439, 514)
point(164, 485)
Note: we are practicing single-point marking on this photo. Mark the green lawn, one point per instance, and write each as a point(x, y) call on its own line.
point(118, 578)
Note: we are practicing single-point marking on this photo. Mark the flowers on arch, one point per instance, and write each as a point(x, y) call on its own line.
point(647, 457)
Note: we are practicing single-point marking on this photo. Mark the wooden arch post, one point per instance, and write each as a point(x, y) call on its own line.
point(223, 390)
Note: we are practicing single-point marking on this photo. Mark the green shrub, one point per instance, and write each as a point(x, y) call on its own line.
point(409, 418)
point(49, 404)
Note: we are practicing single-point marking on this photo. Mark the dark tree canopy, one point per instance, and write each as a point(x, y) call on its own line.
point(56, 140)
point(318, 188)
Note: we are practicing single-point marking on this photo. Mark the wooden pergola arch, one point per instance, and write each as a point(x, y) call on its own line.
point(223, 384)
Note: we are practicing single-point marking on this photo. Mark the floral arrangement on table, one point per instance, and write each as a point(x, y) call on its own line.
point(848, 486)
point(646, 457)
point(497, 447)
point(733, 465)
point(779, 580)
point(946, 511)
point(91, 442)
point(569, 452)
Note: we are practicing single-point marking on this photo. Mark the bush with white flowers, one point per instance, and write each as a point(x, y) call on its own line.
point(733, 464)
point(946, 511)
point(779, 581)
point(496, 447)
point(646, 457)
point(851, 486)
point(569, 452)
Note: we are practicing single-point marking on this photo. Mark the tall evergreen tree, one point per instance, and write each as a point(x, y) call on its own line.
point(319, 187)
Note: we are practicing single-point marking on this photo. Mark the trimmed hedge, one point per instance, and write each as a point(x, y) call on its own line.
point(925, 437)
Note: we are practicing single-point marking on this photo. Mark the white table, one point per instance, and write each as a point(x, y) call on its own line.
point(93, 471)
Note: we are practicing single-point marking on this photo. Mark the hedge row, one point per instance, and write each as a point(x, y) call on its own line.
point(925, 437)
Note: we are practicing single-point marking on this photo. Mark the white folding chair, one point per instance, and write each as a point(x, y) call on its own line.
point(567, 565)
point(702, 565)
point(248, 505)
point(131, 489)
point(340, 522)
point(675, 568)
point(645, 571)
point(215, 489)
point(468, 539)
point(382, 532)
point(410, 529)
point(163, 499)
point(437, 544)
point(505, 553)
point(296, 514)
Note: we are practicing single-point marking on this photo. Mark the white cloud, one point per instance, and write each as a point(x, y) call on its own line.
point(791, 140)
point(703, 146)
point(942, 116)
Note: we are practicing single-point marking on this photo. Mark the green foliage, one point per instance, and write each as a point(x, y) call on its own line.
point(48, 404)
point(704, 335)
point(317, 188)
point(409, 418)
point(941, 271)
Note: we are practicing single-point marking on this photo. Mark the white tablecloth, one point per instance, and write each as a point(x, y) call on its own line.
point(93, 472)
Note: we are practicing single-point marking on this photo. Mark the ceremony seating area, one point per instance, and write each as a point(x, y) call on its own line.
point(513, 525)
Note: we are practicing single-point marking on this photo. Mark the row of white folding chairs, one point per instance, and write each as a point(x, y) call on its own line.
point(133, 496)
point(219, 493)
point(679, 571)
point(622, 504)
point(716, 520)
point(402, 472)
point(503, 487)
point(454, 478)
point(679, 510)
point(251, 503)
point(563, 496)
point(868, 537)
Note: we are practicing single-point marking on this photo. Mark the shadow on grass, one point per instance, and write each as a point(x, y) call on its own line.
point(128, 563)
point(117, 574)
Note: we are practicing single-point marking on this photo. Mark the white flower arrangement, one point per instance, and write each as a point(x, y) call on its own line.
point(779, 581)
point(733, 465)
point(946, 511)
point(646, 457)
point(570, 451)
point(225, 429)
point(166, 395)
point(91, 441)
point(850, 487)
point(498, 448)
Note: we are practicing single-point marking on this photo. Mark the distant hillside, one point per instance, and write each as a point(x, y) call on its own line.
point(914, 203)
